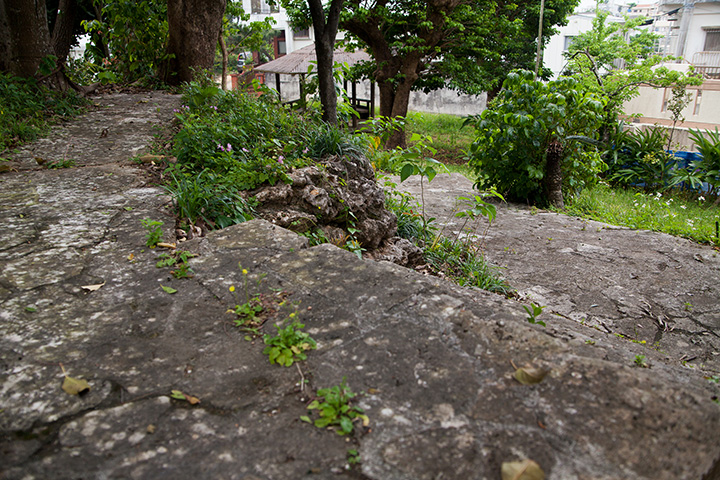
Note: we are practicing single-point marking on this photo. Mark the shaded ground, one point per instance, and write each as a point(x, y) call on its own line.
point(649, 287)
point(432, 362)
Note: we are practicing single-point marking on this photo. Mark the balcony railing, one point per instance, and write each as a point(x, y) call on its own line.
point(707, 63)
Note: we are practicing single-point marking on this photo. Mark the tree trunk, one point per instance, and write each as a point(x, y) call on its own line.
point(325, 33)
point(553, 174)
point(62, 34)
point(194, 27)
point(29, 41)
point(5, 45)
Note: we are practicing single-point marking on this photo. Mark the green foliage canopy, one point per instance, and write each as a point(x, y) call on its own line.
point(523, 123)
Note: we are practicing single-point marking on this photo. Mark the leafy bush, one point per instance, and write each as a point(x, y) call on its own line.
point(28, 108)
point(640, 158)
point(531, 128)
point(136, 33)
point(709, 148)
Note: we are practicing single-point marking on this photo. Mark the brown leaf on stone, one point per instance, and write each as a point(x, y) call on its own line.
point(171, 246)
point(529, 375)
point(522, 470)
point(75, 386)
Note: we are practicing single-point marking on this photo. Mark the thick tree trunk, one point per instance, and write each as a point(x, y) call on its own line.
point(194, 27)
point(62, 34)
point(553, 175)
point(325, 33)
point(5, 45)
point(29, 41)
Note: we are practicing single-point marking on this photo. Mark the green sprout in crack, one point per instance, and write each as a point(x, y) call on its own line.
point(533, 311)
point(333, 405)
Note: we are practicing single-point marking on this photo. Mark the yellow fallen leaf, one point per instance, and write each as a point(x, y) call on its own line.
point(171, 246)
point(524, 470)
point(529, 375)
point(131, 257)
point(75, 386)
point(92, 288)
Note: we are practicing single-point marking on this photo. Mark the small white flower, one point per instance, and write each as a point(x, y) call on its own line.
point(701, 198)
point(683, 207)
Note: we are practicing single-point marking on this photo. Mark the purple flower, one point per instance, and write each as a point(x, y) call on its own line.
point(229, 148)
point(280, 159)
point(213, 107)
point(306, 150)
point(221, 147)
point(245, 150)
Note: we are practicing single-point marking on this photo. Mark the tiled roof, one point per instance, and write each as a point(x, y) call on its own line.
point(299, 60)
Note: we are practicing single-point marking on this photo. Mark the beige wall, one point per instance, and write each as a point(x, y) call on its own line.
point(704, 116)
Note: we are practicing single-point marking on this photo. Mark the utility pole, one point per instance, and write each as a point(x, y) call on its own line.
point(538, 56)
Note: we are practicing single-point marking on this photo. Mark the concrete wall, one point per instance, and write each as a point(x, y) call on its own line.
point(441, 101)
point(702, 112)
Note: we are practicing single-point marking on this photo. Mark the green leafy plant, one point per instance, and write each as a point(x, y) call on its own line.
point(641, 362)
point(536, 141)
point(289, 345)
point(60, 164)
point(533, 311)
point(333, 406)
point(708, 145)
point(153, 231)
point(28, 108)
point(249, 311)
point(353, 457)
point(179, 259)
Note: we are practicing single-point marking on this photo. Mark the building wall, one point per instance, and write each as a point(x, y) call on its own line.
point(701, 113)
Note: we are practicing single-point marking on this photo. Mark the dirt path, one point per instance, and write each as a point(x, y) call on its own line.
point(649, 287)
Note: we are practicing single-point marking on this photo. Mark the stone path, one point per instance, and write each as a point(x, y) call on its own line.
point(649, 287)
point(432, 363)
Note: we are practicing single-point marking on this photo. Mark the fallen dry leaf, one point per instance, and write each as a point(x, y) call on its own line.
point(92, 288)
point(524, 470)
point(75, 386)
point(529, 375)
point(171, 246)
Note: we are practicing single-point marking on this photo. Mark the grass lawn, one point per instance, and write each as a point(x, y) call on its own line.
point(674, 213)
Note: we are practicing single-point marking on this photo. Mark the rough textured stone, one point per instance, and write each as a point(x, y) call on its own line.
point(342, 194)
point(432, 362)
point(646, 286)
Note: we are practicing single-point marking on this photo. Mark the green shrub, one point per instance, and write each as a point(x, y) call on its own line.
point(533, 131)
point(708, 145)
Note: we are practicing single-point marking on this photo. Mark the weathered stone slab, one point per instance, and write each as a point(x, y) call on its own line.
point(432, 362)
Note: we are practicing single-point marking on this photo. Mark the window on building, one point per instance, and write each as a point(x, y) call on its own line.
point(698, 99)
point(304, 33)
point(712, 40)
point(568, 41)
point(261, 6)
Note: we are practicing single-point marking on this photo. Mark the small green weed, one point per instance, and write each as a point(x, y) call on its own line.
point(177, 258)
point(60, 164)
point(289, 345)
point(353, 457)
point(641, 362)
point(333, 405)
point(249, 311)
point(153, 232)
point(533, 311)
